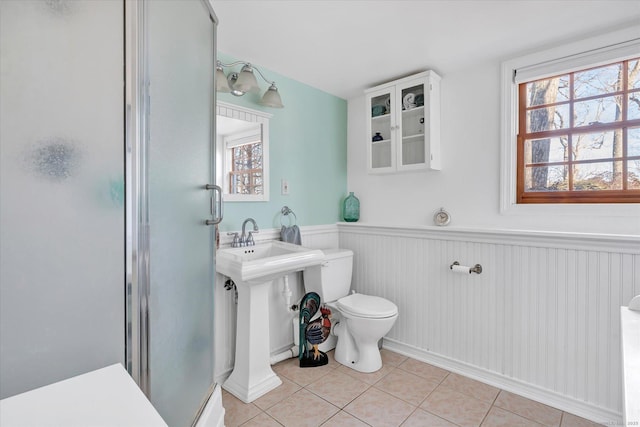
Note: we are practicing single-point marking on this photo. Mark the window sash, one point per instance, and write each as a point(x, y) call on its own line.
point(573, 194)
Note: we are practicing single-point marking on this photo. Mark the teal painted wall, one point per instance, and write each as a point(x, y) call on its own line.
point(308, 147)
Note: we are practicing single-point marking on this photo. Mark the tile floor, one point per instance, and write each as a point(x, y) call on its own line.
point(405, 392)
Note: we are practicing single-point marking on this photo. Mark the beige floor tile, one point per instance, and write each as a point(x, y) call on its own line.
point(302, 409)
point(302, 376)
point(284, 390)
point(456, 407)
point(406, 386)
point(471, 387)
point(337, 388)
point(424, 370)
point(500, 418)
point(390, 358)
point(344, 419)
point(262, 420)
point(313, 397)
point(332, 359)
point(236, 411)
point(378, 408)
point(530, 409)
point(422, 418)
point(570, 420)
point(369, 378)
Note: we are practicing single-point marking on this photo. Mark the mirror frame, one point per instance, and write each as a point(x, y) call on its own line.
point(232, 111)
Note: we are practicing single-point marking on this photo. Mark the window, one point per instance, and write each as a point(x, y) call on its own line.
point(242, 153)
point(570, 131)
point(579, 136)
point(245, 176)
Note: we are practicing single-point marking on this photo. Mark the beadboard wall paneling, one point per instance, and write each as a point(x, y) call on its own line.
point(542, 318)
point(281, 332)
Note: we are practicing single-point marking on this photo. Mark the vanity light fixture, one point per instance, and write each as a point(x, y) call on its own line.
point(245, 81)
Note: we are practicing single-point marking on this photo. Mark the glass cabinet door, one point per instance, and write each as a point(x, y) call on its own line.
point(403, 124)
point(382, 125)
point(411, 144)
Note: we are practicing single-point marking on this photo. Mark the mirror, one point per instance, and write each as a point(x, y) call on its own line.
point(242, 153)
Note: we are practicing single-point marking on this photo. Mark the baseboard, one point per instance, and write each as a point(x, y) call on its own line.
point(547, 397)
point(213, 412)
point(222, 376)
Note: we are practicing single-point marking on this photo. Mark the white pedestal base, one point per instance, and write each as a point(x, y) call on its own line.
point(252, 375)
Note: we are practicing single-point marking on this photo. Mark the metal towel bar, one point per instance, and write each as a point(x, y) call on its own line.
point(285, 212)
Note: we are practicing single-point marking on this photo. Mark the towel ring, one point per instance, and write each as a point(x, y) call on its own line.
point(285, 211)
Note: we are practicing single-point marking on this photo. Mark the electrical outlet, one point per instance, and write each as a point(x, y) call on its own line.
point(284, 187)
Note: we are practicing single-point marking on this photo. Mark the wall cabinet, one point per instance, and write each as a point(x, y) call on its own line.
point(403, 124)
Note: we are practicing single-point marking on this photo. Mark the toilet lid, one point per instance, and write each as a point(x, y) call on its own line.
point(367, 306)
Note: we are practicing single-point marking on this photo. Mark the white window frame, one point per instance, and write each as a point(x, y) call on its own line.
point(604, 48)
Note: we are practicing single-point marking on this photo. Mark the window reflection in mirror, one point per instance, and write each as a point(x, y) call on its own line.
point(242, 153)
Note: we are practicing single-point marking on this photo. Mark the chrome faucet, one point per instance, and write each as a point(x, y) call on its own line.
point(248, 240)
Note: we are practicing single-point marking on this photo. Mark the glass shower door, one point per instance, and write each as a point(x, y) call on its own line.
point(62, 293)
point(180, 121)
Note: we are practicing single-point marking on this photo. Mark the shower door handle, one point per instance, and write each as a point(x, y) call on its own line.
point(216, 204)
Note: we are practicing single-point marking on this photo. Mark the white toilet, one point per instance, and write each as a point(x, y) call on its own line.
point(361, 320)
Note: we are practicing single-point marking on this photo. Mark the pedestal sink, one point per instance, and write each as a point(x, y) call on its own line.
point(253, 269)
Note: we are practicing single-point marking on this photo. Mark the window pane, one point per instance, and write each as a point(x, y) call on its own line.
point(548, 91)
point(633, 142)
point(601, 110)
point(634, 106)
point(546, 178)
point(597, 176)
point(575, 135)
point(548, 150)
point(598, 145)
point(598, 81)
point(634, 74)
point(548, 118)
point(633, 175)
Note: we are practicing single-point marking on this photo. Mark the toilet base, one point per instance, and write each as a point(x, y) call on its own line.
point(367, 360)
point(359, 356)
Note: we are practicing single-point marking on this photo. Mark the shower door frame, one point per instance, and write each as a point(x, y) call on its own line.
point(137, 207)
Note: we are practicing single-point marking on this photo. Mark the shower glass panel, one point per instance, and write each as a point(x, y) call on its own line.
point(62, 290)
point(180, 70)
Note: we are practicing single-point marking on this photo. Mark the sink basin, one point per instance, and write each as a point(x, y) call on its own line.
point(266, 261)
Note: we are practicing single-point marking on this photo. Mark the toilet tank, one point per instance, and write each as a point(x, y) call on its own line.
point(331, 279)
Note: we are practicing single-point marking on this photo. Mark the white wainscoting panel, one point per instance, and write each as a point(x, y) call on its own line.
point(542, 318)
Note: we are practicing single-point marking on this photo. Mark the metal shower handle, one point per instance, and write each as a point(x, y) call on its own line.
point(216, 204)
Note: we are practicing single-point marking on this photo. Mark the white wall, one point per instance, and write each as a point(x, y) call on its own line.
point(468, 186)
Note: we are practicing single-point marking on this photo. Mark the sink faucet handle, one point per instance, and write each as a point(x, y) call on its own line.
point(250, 241)
point(236, 239)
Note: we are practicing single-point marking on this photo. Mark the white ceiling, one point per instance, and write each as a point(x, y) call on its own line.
point(345, 46)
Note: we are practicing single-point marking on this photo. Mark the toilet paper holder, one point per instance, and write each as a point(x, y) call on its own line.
point(475, 269)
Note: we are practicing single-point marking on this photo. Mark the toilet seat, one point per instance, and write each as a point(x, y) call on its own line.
point(367, 306)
